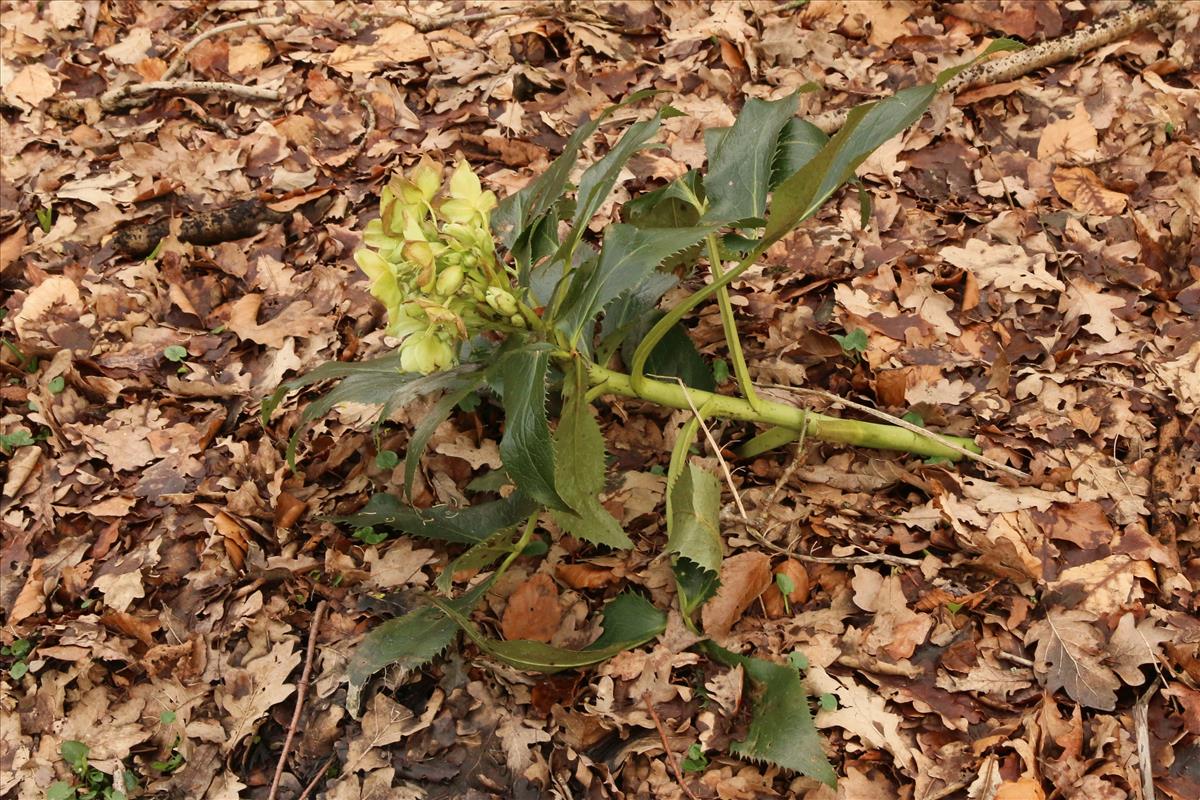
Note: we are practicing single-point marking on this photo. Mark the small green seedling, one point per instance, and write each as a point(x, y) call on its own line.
point(19, 651)
point(175, 353)
point(854, 343)
point(45, 218)
point(695, 760)
point(18, 438)
point(387, 459)
point(368, 535)
point(90, 783)
point(786, 587)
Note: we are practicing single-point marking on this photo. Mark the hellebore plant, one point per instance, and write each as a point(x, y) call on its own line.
point(553, 315)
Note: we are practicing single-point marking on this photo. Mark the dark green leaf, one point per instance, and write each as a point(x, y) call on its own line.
point(524, 217)
point(628, 256)
point(781, 729)
point(628, 312)
point(479, 556)
point(526, 448)
point(799, 141)
point(379, 381)
point(867, 127)
point(598, 179)
point(75, 754)
point(579, 447)
point(454, 396)
point(694, 529)
point(629, 620)
point(671, 206)
point(409, 642)
point(695, 585)
point(468, 525)
point(386, 459)
point(673, 357)
point(740, 165)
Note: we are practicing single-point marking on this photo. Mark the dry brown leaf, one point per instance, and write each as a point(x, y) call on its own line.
point(298, 319)
point(1070, 139)
point(31, 86)
point(248, 692)
point(743, 578)
point(1083, 189)
point(586, 576)
point(1068, 656)
point(398, 43)
point(533, 611)
point(1134, 644)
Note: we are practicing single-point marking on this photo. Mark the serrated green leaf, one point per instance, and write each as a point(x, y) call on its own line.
point(867, 127)
point(469, 525)
point(694, 529)
point(441, 410)
point(675, 356)
point(379, 382)
point(526, 448)
point(799, 141)
point(598, 179)
point(628, 256)
point(479, 556)
point(526, 216)
point(628, 312)
point(670, 206)
point(579, 476)
point(781, 728)
point(694, 584)
point(409, 642)
point(741, 161)
point(629, 621)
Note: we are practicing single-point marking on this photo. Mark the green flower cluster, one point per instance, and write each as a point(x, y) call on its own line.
point(431, 260)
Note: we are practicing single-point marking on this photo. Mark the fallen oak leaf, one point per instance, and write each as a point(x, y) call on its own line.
point(1134, 644)
point(533, 611)
point(1069, 656)
point(743, 578)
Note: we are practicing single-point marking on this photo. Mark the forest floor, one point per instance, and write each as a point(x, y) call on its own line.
point(1030, 273)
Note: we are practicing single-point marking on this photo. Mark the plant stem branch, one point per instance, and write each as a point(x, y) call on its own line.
point(1014, 65)
point(301, 691)
point(740, 370)
point(818, 426)
point(181, 57)
point(660, 329)
point(662, 734)
point(972, 454)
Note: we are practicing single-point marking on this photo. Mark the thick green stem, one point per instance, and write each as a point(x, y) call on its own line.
point(818, 426)
point(637, 369)
point(730, 326)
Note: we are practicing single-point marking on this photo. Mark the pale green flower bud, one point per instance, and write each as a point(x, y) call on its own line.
point(449, 281)
point(517, 320)
point(425, 353)
point(501, 301)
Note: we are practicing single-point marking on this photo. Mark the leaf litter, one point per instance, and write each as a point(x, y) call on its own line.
point(1028, 270)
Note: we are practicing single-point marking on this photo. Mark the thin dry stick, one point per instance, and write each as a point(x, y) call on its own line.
point(865, 558)
point(1141, 724)
point(301, 691)
point(737, 498)
point(1015, 659)
point(1014, 65)
point(181, 57)
point(906, 425)
point(662, 734)
point(316, 778)
point(427, 24)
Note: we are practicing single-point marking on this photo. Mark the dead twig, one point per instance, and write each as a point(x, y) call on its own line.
point(662, 734)
point(134, 93)
point(301, 691)
point(906, 425)
point(1020, 661)
point(181, 57)
point(1013, 65)
point(428, 24)
point(308, 790)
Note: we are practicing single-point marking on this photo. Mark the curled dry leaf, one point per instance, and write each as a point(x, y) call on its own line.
point(743, 578)
point(1086, 193)
point(532, 611)
point(586, 576)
